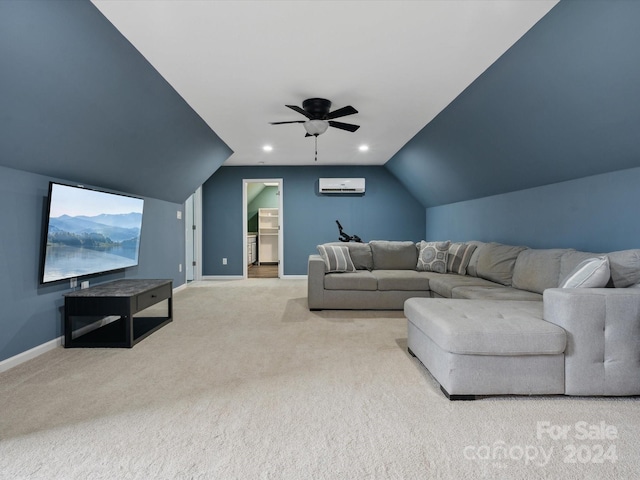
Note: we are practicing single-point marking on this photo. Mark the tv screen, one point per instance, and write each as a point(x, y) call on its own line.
point(89, 231)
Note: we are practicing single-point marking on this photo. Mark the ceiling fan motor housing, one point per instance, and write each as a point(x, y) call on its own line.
point(318, 108)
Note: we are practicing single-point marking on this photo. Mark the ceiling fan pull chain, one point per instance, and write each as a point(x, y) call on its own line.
point(316, 137)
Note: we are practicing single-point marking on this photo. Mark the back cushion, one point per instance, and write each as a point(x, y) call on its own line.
point(472, 268)
point(625, 267)
point(392, 255)
point(360, 254)
point(536, 270)
point(496, 262)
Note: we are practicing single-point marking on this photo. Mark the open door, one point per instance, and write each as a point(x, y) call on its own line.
point(192, 225)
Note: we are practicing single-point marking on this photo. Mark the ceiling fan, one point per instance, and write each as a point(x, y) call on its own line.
point(317, 111)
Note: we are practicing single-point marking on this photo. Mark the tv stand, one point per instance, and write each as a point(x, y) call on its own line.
point(123, 298)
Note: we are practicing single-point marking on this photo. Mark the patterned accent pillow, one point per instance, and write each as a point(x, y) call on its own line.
point(459, 256)
point(592, 273)
point(336, 258)
point(433, 256)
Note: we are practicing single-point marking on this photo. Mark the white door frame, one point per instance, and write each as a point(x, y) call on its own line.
point(245, 182)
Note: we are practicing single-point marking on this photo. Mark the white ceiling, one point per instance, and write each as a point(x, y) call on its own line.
point(399, 63)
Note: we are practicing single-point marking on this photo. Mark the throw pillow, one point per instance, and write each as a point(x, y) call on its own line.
point(360, 254)
point(336, 258)
point(591, 273)
point(458, 257)
point(433, 256)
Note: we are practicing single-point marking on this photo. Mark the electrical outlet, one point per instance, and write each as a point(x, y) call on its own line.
point(224, 261)
point(179, 214)
point(180, 268)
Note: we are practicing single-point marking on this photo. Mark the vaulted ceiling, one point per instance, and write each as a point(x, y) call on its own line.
point(399, 63)
point(79, 103)
point(561, 104)
point(458, 99)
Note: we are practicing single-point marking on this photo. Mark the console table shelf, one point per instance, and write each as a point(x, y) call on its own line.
point(123, 298)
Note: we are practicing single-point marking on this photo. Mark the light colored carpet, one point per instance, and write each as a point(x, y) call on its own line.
point(247, 383)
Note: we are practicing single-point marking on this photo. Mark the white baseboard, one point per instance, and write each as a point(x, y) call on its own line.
point(30, 354)
point(222, 277)
point(180, 287)
point(240, 277)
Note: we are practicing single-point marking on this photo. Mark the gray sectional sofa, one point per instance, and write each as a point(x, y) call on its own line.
point(500, 323)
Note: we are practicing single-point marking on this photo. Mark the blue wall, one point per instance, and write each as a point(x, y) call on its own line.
point(31, 313)
point(598, 213)
point(385, 211)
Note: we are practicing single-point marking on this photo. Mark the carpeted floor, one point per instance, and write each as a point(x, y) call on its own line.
point(247, 383)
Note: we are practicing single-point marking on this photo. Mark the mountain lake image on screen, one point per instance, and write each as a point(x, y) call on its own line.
point(89, 231)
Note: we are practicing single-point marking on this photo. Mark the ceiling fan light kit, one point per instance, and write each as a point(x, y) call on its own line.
point(316, 127)
point(320, 117)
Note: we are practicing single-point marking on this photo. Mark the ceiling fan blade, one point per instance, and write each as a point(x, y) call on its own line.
point(293, 121)
point(299, 110)
point(344, 126)
point(342, 112)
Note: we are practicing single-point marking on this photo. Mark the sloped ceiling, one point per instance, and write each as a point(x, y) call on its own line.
point(78, 102)
point(398, 62)
point(561, 104)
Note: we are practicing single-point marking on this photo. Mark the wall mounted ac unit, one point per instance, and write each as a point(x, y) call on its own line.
point(341, 185)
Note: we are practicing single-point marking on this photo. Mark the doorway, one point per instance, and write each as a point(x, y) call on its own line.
point(262, 227)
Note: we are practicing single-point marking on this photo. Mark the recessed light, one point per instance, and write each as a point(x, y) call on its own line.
point(363, 148)
point(267, 148)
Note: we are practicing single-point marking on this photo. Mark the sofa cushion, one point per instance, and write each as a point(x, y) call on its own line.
point(432, 256)
point(486, 327)
point(408, 280)
point(443, 284)
point(336, 258)
point(360, 254)
point(472, 268)
point(394, 255)
point(459, 256)
point(591, 273)
point(358, 280)
point(535, 270)
point(494, 293)
point(625, 267)
point(496, 262)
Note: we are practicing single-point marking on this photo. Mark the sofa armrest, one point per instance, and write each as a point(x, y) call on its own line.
point(603, 338)
point(315, 282)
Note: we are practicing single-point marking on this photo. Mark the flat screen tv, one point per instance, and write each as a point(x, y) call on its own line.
point(88, 232)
